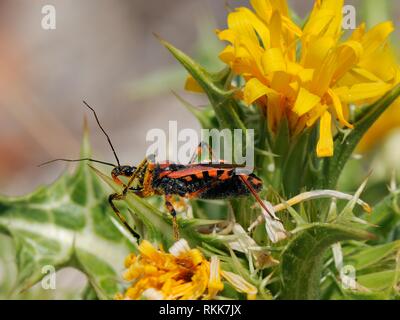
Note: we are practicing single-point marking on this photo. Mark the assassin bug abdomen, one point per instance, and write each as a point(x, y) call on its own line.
point(214, 180)
point(203, 181)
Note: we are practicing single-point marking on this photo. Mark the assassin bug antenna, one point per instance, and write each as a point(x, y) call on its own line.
point(77, 160)
point(105, 133)
point(90, 159)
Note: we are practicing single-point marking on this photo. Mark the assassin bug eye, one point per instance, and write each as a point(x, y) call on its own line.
point(127, 171)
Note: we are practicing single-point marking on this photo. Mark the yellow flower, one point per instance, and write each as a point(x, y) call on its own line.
point(309, 75)
point(182, 273)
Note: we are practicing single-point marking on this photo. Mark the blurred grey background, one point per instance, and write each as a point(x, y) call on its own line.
point(102, 51)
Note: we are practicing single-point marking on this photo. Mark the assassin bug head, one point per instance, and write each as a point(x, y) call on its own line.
point(125, 171)
point(136, 175)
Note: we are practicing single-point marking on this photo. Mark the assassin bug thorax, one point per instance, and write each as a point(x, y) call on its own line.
point(193, 181)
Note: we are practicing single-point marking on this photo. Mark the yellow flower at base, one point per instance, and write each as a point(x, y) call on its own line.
point(180, 274)
point(309, 76)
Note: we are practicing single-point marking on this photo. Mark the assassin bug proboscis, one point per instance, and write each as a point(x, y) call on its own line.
point(193, 181)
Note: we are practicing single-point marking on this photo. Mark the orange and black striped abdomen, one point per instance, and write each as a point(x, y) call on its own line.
point(202, 181)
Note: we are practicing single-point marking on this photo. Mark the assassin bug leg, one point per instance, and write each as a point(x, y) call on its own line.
point(172, 211)
point(116, 196)
point(257, 197)
point(131, 173)
point(199, 151)
point(139, 169)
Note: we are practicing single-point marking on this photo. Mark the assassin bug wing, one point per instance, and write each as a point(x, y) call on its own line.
point(198, 170)
point(214, 170)
point(222, 165)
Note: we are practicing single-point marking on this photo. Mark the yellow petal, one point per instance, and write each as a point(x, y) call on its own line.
point(254, 90)
point(361, 92)
point(272, 60)
point(317, 23)
point(262, 31)
point(241, 25)
point(281, 83)
point(149, 252)
point(363, 75)
point(192, 85)
point(323, 75)
point(291, 26)
point(129, 260)
point(263, 9)
point(294, 68)
point(325, 19)
point(295, 86)
point(214, 284)
point(227, 55)
point(304, 74)
point(305, 101)
point(325, 142)
point(348, 55)
point(315, 114)
point(335, 6)
point(241, 59)
point(251, 52)
point(281, 6)
point(387, 67)
point(338, 108)
point(375, 37)
point(359, 32)
point(227, 35)
point(276, 30)
point(316, 52)
point(275, 111)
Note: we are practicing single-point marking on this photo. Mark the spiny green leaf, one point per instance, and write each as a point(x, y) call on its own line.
point(215, 85)
point(203, 77)
point(7, 266)
point(205, 116)
point(89, 293)
point(381, 280)
point(385, 215)
point(294, 161)
point(66, 224)
point(371, 255)
point(301, 261)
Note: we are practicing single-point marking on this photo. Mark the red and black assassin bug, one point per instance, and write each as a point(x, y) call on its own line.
point(193, 181)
